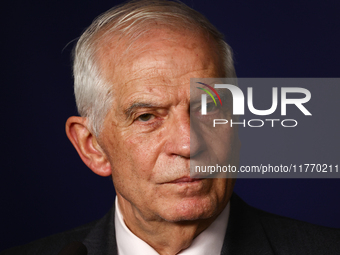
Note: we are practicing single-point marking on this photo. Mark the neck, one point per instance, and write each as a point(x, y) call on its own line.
point(167, 238)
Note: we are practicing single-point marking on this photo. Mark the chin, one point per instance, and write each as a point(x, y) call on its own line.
point(190, 209)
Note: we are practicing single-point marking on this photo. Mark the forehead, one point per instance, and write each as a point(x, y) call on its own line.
point(117, 52)
point(161, 60)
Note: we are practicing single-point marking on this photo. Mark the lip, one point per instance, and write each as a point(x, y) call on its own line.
point(185, 179)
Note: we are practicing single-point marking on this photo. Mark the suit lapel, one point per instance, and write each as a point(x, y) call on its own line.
point(245, 234)
point(102, 238)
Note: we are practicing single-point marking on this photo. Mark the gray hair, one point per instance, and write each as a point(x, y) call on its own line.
point(93, 93)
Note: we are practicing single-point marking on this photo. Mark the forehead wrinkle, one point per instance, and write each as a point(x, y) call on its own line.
point(113, 48)
point(167, 80)
point(161, 96)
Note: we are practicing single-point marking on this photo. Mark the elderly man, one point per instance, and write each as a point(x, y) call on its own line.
point(132, 81)
point(132, 70)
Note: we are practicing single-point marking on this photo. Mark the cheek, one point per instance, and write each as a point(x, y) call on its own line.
point(223, 188)
point(145, 145)
point(220, 143)
point(134, 156)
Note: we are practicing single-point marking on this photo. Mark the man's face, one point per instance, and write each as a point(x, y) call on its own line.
point(146, 134)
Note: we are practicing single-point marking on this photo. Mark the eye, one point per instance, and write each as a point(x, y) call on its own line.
point(211, 107)
point(145, 117)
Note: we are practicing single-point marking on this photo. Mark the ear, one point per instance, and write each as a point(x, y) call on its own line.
point(87, 146)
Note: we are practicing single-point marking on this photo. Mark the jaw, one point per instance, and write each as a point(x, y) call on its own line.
point(177, 202)
point(176, 228)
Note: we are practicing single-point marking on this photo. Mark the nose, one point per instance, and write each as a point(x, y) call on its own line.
point(182, 139)
point(178, 141)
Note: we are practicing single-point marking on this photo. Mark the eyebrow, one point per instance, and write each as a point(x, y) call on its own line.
point(137, 105)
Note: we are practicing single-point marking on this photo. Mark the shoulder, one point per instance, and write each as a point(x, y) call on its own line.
point(98, 237)
point(283, 235)
point(52, 244)
point(289, 236)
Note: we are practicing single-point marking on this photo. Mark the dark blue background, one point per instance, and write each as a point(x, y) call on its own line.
point(45, 188)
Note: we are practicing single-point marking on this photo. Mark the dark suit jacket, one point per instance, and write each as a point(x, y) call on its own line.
point(250, 231)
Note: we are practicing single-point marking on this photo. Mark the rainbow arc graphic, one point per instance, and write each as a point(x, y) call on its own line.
point(209, 93)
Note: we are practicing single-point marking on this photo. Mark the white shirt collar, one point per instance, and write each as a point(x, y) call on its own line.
point(209, 242)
